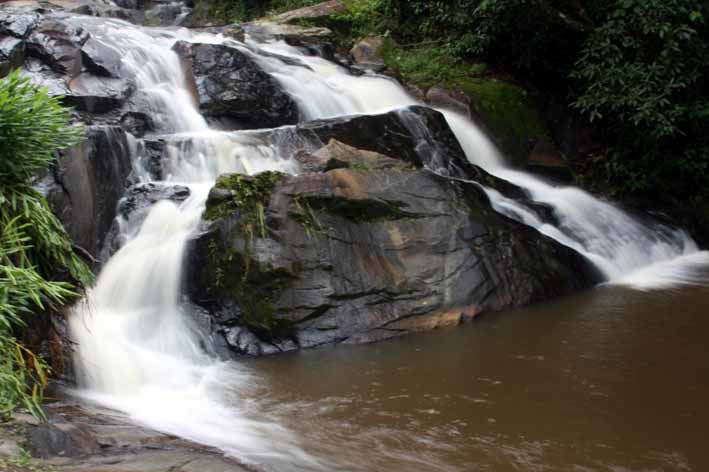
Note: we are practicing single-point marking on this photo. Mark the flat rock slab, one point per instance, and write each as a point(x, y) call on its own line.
point(99, 440)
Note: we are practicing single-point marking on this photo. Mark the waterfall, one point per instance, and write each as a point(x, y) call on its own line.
point(138, 352)
point(626, 250)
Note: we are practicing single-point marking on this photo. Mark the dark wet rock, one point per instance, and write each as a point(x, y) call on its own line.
point(93, 94)
point(145, 195)
point(367, 53)
point(87, 183)
point(547, 162)
point(58, 44)
point(101, 59)
point(231, 88)
point(151, 155)
point(312, 12)
point(12, 54)
point(130, 4)
point(137, 123)
point(18, 22)
point(367, 250)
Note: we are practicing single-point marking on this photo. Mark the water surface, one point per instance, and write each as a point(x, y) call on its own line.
point(612, 379)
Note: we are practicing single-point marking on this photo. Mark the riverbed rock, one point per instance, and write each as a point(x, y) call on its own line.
point(364, 251)
point(101, 59)
point(18, 22)
point(233, 90)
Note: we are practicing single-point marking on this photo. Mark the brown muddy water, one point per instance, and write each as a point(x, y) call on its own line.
point(610, 380)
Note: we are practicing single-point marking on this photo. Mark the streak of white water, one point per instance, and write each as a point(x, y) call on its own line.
point(137, 352)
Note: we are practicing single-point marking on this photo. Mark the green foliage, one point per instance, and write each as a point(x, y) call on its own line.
point(643, 77)
point(34, 247)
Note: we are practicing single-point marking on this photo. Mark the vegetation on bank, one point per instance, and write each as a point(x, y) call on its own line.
point(636, 70)
point(39, 270)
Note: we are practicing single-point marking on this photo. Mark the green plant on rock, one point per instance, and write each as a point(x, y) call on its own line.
point(38, 267)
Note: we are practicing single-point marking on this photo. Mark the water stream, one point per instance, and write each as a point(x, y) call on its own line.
point(138, 353)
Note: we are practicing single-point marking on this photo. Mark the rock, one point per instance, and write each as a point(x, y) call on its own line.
point(87, 183)
point(12, 54)
point(62, 439)
point(441, 98)
point(137, 123)
point(233, 90)
point(93, 94)
point(319, 10)
point(337, 155)
point(143, 196)
point(368, 53)
point(58, 44)
point(367, 251)
point(101, 59)
point(18, 22)
point(546, 161)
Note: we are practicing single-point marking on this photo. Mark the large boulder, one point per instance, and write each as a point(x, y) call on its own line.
point(232, 90)
point(365, 250)
point(87, 183)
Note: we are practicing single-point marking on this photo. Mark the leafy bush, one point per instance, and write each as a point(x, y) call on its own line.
point(34, 248)
point(642, 76)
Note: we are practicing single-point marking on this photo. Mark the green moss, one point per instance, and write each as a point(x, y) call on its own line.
point(509, 112)
point(239, 277)
point(306, 216)
point(429, 66)
point(246, 194)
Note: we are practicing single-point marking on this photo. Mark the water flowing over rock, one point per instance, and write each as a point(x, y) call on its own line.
point(365, 247)
point(232, 90)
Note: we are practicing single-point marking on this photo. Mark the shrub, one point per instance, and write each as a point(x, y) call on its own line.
point(34, 248)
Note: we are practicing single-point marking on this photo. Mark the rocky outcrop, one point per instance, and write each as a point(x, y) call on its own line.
point(232, 90)
point(86, 184)
point(373, 247)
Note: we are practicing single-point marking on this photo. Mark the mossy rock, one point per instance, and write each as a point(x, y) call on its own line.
point(509, 113)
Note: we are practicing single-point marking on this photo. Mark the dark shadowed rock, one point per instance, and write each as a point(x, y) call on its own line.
point(366, 250)
point(232, 89)
point(87, 183)
point(12, 54)
point(137, 123)
point(145, 195)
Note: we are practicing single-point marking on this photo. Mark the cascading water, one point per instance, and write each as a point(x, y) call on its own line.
point(139, 354)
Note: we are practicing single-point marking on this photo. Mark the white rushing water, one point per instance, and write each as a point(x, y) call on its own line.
point(139, 353)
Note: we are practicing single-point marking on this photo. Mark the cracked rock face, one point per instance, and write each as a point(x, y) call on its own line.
point(372, 247)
